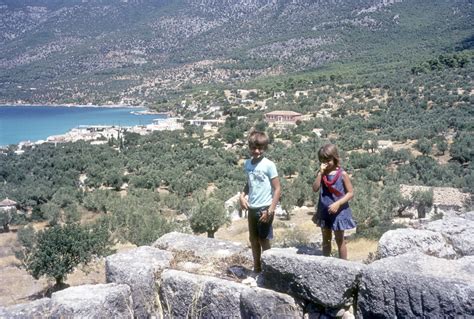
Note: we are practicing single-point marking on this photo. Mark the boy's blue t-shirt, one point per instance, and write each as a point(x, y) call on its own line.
point(259, 178)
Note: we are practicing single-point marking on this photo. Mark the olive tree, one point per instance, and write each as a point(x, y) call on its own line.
point(209, 214)
point(422, 200)
point(56, 251)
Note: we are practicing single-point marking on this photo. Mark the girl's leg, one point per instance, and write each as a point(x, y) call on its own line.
point(341, 243)
point(327, 237)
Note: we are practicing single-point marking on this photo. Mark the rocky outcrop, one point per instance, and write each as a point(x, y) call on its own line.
point(93, 301)
point(185, 295)
point(40, 308)
point(139, 268)
point(87, 301)
point(417, 286)
point(400, 241)
point(450, 237)
point(166, 281)
point(326, 281)
point(201, 247)
point(457, 232)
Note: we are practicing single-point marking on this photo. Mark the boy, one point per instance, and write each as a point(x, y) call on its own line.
point(263, 190)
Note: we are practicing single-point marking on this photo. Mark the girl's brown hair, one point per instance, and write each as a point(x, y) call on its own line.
point(329, 152)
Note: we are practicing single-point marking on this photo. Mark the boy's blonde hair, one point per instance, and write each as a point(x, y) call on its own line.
point(329, 152)
point(258, 139)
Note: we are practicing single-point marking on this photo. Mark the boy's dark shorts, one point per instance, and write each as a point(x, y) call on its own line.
point(257, 228)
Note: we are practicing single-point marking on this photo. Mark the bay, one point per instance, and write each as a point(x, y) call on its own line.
point(33, 123)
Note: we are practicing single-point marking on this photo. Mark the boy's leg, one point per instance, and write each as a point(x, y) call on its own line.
point(327, 237)
point(341, 243)
point(254, 241)
point(264, 243)
point(257, 254)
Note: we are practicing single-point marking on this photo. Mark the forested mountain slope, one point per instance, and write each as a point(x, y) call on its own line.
point(95, 51)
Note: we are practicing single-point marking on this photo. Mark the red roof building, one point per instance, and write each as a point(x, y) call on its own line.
point(282, 117)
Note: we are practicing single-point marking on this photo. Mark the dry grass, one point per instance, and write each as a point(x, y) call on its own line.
point(359, 249)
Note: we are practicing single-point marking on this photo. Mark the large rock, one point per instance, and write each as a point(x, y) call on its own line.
point(35, 309)
point(93, 301)
point(329, 282)
point(264, 303)
point(139, 268)
point(185, 295)
point(415, 285)
point(459, 233)
point(400, 241)
point(203, 247)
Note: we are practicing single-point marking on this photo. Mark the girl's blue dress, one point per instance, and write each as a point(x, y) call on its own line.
point(343, 219)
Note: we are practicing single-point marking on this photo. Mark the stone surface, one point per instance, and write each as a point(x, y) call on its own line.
point(400, 241)
point(185, 295)
point(203, 247)
point(93, 301)
point(139, 268)
point(324, 280)
point(469, 216)
point(36, 309)
point(264, 303)
point(457, 231)
point(415, 285)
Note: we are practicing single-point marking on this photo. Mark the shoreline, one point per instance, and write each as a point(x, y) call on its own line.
point(74, 105)
point(134, 110)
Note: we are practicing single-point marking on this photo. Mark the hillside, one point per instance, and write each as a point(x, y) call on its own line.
point(136, 52)
point(389, 82)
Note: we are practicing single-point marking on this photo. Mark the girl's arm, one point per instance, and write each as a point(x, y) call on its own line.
point(334, 207)
point(317, 182)
point(319, 175)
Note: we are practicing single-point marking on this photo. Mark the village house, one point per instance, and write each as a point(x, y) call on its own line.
point(210, 122)
point(283, 118)
point(7, 206)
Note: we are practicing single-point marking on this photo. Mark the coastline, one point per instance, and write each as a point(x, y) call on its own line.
point(74, 105)
point(38, 137)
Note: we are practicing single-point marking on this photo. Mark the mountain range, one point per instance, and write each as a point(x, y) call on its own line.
point(138, 51)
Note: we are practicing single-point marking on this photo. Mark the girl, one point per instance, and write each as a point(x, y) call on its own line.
point(333, 213)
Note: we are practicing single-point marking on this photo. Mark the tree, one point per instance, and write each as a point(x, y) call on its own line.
point(208, 216)
point(462, 148)
point(52, 213)
point(56, 251)
point(442, 145)
point(422, 201)
point(371, 145)
point(424, 146)
point(6, 217)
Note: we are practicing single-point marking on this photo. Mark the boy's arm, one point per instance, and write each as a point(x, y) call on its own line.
point(266, 216)
point(276, 194)
point(243, 199)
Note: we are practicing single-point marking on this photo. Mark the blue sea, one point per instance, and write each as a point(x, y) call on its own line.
point(33, 123)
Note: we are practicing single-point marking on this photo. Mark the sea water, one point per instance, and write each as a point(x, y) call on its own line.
point(33, 123)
